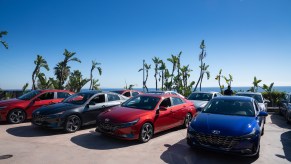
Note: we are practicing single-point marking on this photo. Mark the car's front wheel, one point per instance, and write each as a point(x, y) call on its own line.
point(16, 116)
point(72, 124)
point(187, 120)
point(146, 132)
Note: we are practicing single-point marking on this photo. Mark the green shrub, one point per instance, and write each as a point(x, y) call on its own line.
point(275, 97)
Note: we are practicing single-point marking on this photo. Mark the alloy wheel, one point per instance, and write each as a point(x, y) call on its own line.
point(146, 132)
point(187, 120)
point(16, 116)
point(73, 123)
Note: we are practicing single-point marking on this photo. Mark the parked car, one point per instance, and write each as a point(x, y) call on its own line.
point(263, 103)
point(19, 109)
point(230, 124)
point(200, 99)
point(77, 110)
point(127, 92)
point(285, 110)
point(144, 115)
point(166, 92)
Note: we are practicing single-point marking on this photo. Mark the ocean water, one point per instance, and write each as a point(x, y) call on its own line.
point(286, 89)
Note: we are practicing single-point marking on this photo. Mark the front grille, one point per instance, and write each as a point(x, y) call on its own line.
point(37, 118)
point(225, 142)
point(106, 127)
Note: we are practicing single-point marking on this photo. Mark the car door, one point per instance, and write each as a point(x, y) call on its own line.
point(39, 101)
point(163, 118)
point(260, 119)
point(95, 106)
point(178, 111)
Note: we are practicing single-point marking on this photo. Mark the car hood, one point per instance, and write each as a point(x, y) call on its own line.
point(226, 124)
point(55, 108)
point(199, 103)
point(10, 101)
point(120, 114)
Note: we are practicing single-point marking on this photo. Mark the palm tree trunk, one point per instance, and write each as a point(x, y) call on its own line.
point(162, 80)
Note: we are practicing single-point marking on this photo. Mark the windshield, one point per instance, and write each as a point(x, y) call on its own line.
point(255, 96)
point(142, 102)
point(78, 99)
point(230, 107)
point(29, 95)
point(200, 96)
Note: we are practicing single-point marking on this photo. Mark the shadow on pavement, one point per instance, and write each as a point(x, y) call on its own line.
point(286, 142)
point(181, 153)
point(99, 141)
point(34, 131)
point(280, 121)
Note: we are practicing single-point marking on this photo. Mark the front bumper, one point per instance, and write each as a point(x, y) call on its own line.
point(50, 121)
point(242, 147)
point(127, 133)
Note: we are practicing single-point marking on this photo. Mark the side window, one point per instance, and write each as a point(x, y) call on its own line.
point(127, 94)
point(62, 95)
point(99, 99)
point(177, 101)
point(134, 93)
point(166, 102)
point(47, 96)
point(112, 97)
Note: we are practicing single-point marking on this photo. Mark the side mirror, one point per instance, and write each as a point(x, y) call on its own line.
point(162, 108)
point(263, 113)
point(267, 101)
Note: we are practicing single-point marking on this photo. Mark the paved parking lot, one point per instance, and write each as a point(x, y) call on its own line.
point(24, 143)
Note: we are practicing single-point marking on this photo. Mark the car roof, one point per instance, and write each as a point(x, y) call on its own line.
point(238, 98)
point(54, 90)
point(249, 93)
point(212, 92)
point(159, 95)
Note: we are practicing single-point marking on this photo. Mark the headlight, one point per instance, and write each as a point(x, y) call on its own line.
point(128, 124)
point(250, 135)
point(3, 107)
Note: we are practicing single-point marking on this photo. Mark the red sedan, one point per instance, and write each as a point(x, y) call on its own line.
point(144, 115)
point(17, 110)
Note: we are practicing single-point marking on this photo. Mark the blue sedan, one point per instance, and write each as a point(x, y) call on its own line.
point(231, 124)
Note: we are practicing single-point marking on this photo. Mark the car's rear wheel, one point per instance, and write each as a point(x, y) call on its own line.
point(72, 124)
point(187, 120)
point(146, 132)
point(16, 116)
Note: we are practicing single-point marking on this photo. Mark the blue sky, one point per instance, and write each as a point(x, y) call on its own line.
point(245, 38)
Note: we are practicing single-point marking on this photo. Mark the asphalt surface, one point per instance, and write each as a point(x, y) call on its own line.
point(24, 143)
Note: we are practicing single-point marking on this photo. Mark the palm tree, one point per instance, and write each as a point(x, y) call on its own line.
point(95, 84)
point(24, 88)
point(40, 62)
point(228, 80)
point(202, 55)
point(94, 65)
point(204, 70)
point(2, 41)
point(185, 89)
point(269, 90)
point(174, 61)
point(218, 77)
point(256, 84)
point(43, 82)
point(76, 82)
point(147, 68)
point(177, 79)
point(156, 61)
point(62, 70)
point(162, 68)
point(167, 84)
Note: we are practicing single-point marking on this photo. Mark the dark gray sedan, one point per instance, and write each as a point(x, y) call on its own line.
point(77, 110)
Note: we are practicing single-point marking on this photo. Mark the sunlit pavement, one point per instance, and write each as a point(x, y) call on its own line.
point(24, 143)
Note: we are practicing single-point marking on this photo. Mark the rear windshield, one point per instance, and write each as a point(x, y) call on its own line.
point(200, 96)
point(256, 97)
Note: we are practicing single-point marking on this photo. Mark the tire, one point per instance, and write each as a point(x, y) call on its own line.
point(263, 131)
point(72, 124)
point(16, 116)
point(146, 132)
point(187, 120)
